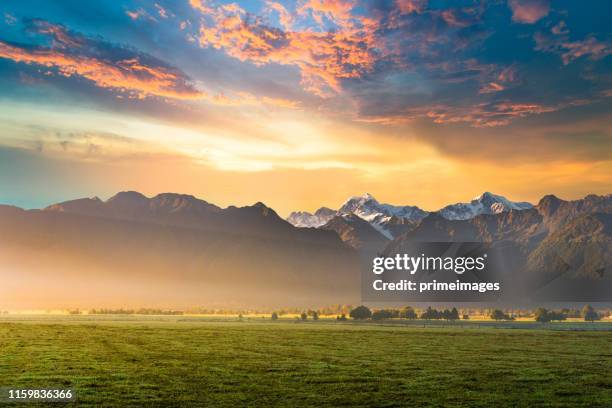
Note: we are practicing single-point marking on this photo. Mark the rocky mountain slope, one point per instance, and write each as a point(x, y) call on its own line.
point(356, 232)
point(558, 248)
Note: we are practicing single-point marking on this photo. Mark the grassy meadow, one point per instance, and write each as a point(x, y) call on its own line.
point(181, 361)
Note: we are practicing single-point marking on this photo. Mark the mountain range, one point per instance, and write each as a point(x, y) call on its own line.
point(176, 250)
point(556, 250)
point(392, 220)
point(170, 250)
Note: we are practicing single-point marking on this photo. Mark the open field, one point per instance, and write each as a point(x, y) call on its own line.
point(171, 361)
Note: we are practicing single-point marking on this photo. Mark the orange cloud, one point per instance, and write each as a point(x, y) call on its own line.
point(491, 87)
point(284, 16)
point(335, 10)
point(138, 75)
point(128, 75)
point(506, 78)
point(324, 58)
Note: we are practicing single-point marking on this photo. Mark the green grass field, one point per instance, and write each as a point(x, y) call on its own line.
point(194, 362)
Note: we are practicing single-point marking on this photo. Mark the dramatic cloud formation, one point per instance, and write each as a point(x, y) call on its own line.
point(510, 95)
point(107, 66)
point(324, 58)
point(337, 48)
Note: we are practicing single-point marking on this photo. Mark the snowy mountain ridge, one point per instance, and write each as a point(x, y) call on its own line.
point(486, 203)
point(389, 219)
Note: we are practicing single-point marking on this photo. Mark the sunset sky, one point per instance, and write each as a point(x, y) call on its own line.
point(303, 103)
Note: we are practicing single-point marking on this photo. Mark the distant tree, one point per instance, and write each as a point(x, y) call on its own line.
point(498, 315)
point(589, 314)
point(454, 314)
point(315, 315)
point(304, 316)
point(408, 313)
point(274, 316)
point(430, 314)
point(541, 315)
point(360, 313)
point(240, 316)
point(575, 313)
point(465, 317)
point(556, 316)
point(382, 314)
point(341, 317)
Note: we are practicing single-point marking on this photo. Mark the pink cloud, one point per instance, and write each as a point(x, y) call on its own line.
point(528, 11)
point(572, 50)
point(482, 115)
point(590, 47)
point(163, 13)
point(560, 29)
point(411, 6)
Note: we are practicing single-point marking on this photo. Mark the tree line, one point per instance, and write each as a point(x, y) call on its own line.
point(542, 315)
point(142, 311)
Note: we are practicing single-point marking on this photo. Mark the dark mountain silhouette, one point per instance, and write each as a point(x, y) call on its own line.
point(172, 250)
point(188, 211)
point(176, 250)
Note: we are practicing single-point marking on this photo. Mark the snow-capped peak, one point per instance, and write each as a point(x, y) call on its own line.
point(387, 218)
point(364, 206)
point(486, 203)
point(304, 219)
point(368, 196)
point(487, 195)
point(357, 201)
point(378, 215)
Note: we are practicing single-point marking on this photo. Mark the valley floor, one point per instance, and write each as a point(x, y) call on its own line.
point(174, 361)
